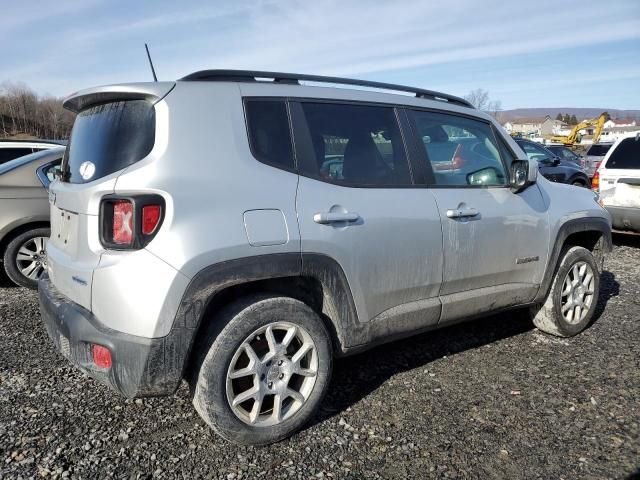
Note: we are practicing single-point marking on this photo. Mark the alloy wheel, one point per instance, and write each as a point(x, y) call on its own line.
point(272, 374)
point(577, 292)
point(31, 259)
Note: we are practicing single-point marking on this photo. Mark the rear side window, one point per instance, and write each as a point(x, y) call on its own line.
point(107, 138)
point(461, 151)
point(7, 154)
point(356, 145)
point(626, 155)
point(269, 134)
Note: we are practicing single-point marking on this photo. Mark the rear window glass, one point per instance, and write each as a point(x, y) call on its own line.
point(626, 155)
point(598, 150)
point(107, 138)
point(269, 133)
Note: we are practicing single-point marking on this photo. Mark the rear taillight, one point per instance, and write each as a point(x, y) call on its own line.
point(595, 181)
point(130, 222)
point(150, 218)
point(122, 222)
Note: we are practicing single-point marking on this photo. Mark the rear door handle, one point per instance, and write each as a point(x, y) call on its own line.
point(462, 212)
point(334, 217)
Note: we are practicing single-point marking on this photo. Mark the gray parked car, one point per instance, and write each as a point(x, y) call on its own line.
point(594, 156)
point(325, 221)
point(24, 214)
point(11, 148)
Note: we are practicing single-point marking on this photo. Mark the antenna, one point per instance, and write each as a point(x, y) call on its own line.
point(153, 70)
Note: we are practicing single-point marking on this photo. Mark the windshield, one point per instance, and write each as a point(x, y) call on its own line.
point(598, 150)
point(107, 138)
point(20, 161)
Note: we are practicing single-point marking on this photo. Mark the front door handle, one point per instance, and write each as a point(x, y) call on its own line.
point(334, 217)
point(462, 212)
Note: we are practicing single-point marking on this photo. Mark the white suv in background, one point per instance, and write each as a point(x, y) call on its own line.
point(618, 180)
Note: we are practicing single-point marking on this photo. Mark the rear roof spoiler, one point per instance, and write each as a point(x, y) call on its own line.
point(152, 92)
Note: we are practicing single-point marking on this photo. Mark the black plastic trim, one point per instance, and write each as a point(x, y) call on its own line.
point(589, 224)
point(140, 366)
point(294, 78)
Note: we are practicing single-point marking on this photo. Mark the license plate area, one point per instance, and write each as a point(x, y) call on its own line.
point(64, 230)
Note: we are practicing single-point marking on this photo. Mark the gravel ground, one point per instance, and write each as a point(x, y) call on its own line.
point(493, 398)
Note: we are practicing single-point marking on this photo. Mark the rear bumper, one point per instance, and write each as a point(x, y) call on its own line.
point(625, 218)
point(141, 366)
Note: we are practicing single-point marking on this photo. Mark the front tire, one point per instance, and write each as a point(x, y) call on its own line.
point(572, 299)
point(25, 258)
point(265, 367)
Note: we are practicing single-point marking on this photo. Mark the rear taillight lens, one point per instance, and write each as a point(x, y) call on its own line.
point(131, 222)
point(595, 181)
point(150, 218)
point(123, 222)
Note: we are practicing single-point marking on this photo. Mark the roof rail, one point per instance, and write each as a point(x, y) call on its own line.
point(295, 78)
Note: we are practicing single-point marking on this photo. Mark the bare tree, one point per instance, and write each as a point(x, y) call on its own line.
point(480, 99)
point(23, 112)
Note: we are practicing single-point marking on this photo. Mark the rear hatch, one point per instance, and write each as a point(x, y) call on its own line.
point(620, 175)
point(115, 127)
point(594, 155)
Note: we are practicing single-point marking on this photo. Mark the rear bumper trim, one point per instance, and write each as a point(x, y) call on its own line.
point(141, 367)
point(625, 218)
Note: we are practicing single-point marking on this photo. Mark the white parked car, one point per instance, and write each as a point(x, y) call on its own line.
point(618, 181)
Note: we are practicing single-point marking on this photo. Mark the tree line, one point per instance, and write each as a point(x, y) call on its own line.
point(23, 113)
point(568, 119)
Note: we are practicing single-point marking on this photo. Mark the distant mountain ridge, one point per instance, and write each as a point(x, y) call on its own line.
point(580, 113)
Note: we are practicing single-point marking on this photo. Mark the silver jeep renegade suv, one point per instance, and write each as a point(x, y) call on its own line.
point(239, 229)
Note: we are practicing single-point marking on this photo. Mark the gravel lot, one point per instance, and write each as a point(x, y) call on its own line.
point(494, 398)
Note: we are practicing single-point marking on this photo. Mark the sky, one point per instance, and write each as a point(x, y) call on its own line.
point(525, 54)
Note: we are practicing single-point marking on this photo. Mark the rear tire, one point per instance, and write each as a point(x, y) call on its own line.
point(245, 355)
point(21, 269)
point(573, 296)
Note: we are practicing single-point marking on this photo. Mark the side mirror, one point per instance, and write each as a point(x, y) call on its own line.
point(555, 162)
point(523, 174)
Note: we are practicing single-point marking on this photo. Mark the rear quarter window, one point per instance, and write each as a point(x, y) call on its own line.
point(626, 155)
point(111, 136)
point(269, 134)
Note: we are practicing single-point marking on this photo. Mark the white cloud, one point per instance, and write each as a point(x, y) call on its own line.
point(349, 37)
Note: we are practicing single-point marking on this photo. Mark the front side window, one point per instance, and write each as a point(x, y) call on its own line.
point(461, 151)
point(626, 155)
point(356, 145)
point(269, 134)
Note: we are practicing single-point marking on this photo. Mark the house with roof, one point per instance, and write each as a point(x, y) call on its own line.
point(620, 122)
point(551, 126)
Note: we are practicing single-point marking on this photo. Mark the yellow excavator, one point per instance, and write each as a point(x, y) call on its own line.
point(573, 137)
